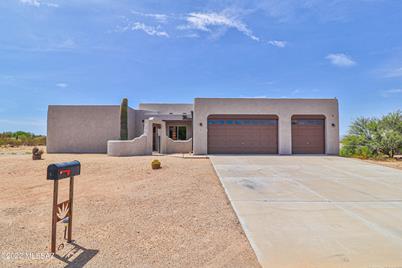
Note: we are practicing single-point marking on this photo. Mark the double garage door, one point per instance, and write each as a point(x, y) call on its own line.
point(247, 134)
point(258, 134)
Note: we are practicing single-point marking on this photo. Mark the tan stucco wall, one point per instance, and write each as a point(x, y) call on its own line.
point(141, 145)
point(167, 108)
point(82, 129)
point(136, 146)
point(139, 124)
point(174, 146)
point(131, 123)
point(283, 108)
point(88, 128)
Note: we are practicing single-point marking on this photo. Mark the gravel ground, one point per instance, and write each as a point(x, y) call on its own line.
point(125, 214)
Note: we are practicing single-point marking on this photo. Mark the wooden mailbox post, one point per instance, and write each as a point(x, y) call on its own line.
point(64, 210)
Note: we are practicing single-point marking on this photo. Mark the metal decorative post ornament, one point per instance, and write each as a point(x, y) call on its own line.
point(62, 211)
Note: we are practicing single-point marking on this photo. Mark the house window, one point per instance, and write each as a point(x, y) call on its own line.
point(267, 122)
point(178, 132)
point(310, 122)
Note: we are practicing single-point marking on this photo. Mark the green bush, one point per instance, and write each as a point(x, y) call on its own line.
point(363, 152)
point(372, 137)
point(350, 145)
point(21, 138)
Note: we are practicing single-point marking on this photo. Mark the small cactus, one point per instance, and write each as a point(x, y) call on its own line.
point(156, 164)
point(124, 119)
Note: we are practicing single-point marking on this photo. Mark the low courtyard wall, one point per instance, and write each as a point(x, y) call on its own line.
point(137, 146)
point(176, 146)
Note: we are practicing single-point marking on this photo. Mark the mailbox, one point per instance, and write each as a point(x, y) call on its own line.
point(62, 211)
point(64, 170)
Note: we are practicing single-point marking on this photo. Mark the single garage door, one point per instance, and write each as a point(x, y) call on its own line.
point(308, 134)
point(242, 134)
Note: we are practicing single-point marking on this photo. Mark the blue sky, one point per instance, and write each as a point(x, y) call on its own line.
point(99, 51)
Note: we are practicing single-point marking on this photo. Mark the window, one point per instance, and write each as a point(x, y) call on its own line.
point(308, 122)
point(216, 122)
point(172, 133)
point(182, 133)
point(267, 122)
point(178, 132)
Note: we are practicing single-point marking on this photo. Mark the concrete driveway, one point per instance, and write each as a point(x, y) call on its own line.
point(316, 211)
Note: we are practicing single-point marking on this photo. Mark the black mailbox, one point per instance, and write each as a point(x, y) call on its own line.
point(60, 171)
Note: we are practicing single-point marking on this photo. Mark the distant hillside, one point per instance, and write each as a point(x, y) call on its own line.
point(21, 138)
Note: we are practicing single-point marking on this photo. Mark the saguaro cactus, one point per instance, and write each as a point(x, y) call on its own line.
point(124, 119)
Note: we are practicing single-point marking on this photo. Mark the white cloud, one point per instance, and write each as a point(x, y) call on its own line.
point(37, 3)
point(162, 18)
point(62, 85)
point(387, 93)
point(341, 60)
point(397, 72)
point(150, 30)
point(190, 25)
point(277, 43)
point(52, 5)
point(190, 35)
point(66, 44)
point(206, 21)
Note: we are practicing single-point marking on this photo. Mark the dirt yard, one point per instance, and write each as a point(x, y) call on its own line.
point(18, 150)
point(389, 163)
point(125, 214)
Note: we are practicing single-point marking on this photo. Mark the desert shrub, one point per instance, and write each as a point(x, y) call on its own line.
point(354, 146)
point(372, 137)
point(392, 121)
point(363, 152)
point(390, 142)
point(21, 138)
point(351, 145)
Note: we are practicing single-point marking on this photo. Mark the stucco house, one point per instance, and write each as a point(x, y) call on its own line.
point(207, 126)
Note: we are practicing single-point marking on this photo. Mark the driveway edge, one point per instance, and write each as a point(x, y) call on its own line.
point(243, 224)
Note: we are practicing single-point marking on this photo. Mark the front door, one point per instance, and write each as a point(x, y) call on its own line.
point(156, 139)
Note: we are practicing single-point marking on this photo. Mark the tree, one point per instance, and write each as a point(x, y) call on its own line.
point(392, 121)
point(372, 136)
point(390, 142)
point(364, 127)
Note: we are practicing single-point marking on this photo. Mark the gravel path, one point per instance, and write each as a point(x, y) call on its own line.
point(126, 215)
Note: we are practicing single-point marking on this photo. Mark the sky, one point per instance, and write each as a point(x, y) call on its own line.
point(100, 51)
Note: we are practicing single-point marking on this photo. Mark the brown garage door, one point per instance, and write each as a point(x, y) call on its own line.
point(308, 134)
point(242, 134)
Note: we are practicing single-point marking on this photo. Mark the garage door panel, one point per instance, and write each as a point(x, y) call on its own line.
point(317, 132)
point(308, 135)
point(243, 134)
